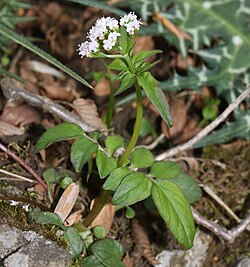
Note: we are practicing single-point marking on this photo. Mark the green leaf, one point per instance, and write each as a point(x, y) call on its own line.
point(53, 175)
point(74, 241)
point(101, 5)
point(188, 186)
point(108, 252)
point(113, 142)
point(130, 213)
point(105, 164)
point(146, 128)
point(144, 54)
point(165, 169)
point(127, 81)
point(175, 210)
point(91, 261)
point(123, 40)
point(42, 217)
point(147, 66)
point(27, 44)
point(116, 178)
point(118, 64)
point(141, 157)
point(133, 188)
point(81, 151)
point(99, 232)
point(63, 131)
point(155, 95)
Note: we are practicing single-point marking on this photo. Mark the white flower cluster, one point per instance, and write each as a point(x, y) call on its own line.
point(105, 32)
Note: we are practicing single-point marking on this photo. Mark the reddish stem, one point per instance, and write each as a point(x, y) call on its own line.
point(27, 167)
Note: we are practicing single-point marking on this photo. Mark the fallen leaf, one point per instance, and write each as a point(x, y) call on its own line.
point(87, 110)
point(8, 129)
point(141, 238)
point(105, 217)
point(73, 218)
point(102, 88)
point(19, 115)
point(67, 201)
point(171, 27)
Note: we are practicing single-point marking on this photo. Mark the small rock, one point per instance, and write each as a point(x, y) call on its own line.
point(28, 249)
point(245, 262)
point(194, 257)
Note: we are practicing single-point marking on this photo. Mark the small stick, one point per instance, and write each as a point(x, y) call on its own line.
point(16, 176)
point(156, 142)
point(211, 193)
point(204, 132)
point(228, 235)
point(25, 165)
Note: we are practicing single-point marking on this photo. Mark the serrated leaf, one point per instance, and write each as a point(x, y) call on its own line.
point(175, 210)
point(118, 64)
point(155, 95)
point(91, 261)
point(63, 131)
point(46, 218)
point(27, 44)
point(127, 81)
point(141, 157)
point(108, 252)
point(116, 178)
point(144, 54)
point(81, 151)
point(113, 142)
point(133, 188)
point(165, 169)
point(188, 186)
point(74, 241)
point(105, 164)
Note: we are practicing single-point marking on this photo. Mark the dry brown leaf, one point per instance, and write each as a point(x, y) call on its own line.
point(171, 27)
point(127, 260)
point(102, 88)
point(144, 43)
point(19, 115)
point(8, 129)
point(67, 201)
point(179, 118)
point(190, 131)
point(105, 217)
point(87, 110)
point(141, 238)
point(73, 218)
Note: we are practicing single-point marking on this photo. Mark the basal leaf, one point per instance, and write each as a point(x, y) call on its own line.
point(74, 241)
point(118, 64)
point(133, 188)
point(105, 164)
point(144, 54)
point(91, 261)
point(127, 81)
point(113, 142)
point(63, 131)
point(46, 218)
point(81, 151)
point(27, 44)
point(108, 252)
point(141, 157)
point(116, 178)
point(155, 95)
point(165, 169)
point(175, 210)
point(188, 186)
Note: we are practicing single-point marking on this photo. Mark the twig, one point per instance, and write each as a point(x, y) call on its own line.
point(228, 235)
point(211, 193)
point(156, 142)
point(18, 94)
point(206, 130)
point(25, 165)
point(16, 176)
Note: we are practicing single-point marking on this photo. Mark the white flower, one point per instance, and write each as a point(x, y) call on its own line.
point(26, 207)
point(113, 36)
point(84, 49)
point(130, 22)
point(112, 23)
point(108, 44)
point(14, 203)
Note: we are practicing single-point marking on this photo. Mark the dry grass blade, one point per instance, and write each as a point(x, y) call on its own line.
point(171, 27)
point(87, 110)
point(141, 237)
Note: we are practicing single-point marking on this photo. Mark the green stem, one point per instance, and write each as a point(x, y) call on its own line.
point(111, 104)
point(137, 126)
